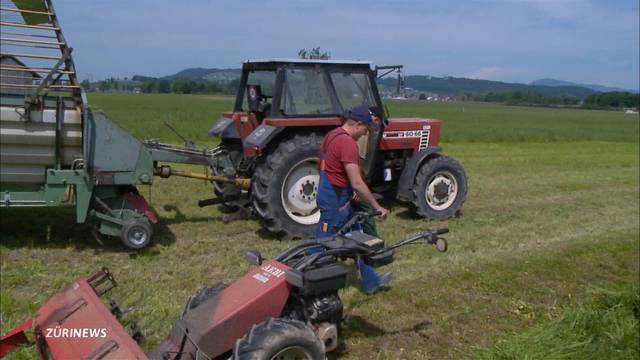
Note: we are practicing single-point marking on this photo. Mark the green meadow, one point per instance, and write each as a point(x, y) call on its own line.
point(543, 262)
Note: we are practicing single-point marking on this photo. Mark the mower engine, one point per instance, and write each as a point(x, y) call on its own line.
point(287, 303)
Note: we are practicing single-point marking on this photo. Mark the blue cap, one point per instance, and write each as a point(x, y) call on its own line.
point(362, 114)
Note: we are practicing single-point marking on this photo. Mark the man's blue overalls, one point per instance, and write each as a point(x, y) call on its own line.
point(335, 210)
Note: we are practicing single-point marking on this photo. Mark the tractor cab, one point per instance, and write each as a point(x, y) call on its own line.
point(280, 93)
point(292, 89)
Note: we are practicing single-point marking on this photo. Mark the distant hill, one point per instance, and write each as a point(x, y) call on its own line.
point(449, 86)
point(598, 88)
point(453, 86)
point(221, 76)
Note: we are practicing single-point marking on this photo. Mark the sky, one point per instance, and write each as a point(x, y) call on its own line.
point(584, 41)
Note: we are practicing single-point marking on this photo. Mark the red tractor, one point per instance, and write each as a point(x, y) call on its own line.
point(282, 110)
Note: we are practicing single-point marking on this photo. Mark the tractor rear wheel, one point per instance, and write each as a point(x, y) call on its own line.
point(440, 188)
point(279, 339)
point(285, 185)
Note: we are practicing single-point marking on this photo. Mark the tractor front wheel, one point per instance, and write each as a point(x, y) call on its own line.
point(440, 188)
point(136, 233)
point(279, 339)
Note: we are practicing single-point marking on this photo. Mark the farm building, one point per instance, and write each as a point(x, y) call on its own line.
point(17, 77)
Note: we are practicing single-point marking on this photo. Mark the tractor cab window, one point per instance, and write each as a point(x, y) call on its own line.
point(352, 89)
point(264, 81)
point(305, 92)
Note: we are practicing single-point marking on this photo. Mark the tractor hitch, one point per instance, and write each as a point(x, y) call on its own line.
point(217, 200)
point(165, 171)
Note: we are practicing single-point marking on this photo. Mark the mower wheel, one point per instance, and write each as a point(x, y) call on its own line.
point(440, 188)
point(279, 339)
point(136, 233)
point(441, 245)
point(285, 185)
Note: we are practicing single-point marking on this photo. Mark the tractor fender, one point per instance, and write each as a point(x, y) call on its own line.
point(405, 183)
point(225, 128)
point(261, 136)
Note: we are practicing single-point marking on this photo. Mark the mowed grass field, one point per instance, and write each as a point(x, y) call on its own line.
point(549, 233)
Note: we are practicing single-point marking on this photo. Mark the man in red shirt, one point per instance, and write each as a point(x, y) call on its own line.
point(340, 173)
point(340, 177)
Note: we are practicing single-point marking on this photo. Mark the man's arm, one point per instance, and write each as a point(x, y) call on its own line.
point(353, 173)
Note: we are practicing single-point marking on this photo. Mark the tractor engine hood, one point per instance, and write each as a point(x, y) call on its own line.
point(410, 133)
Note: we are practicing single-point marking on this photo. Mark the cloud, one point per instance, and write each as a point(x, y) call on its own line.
point(495, 73)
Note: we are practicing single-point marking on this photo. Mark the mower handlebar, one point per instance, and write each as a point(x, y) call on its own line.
point(372, 213)
point(357, 217)
point(438, 231)
point(361, 215)
point(430, 237)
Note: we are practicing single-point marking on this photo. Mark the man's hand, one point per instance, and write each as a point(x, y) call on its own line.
point(383, 213)
point(360, 188)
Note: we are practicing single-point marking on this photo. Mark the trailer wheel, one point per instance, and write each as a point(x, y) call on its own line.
point(136, 233)
point(279, 339)
point(440, 188)
point(285, 185)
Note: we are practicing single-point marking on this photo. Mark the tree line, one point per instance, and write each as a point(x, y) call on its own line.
point(614, 99)
point(153, 85)
point(524, 98)
point(188, 86)
point(606, 100)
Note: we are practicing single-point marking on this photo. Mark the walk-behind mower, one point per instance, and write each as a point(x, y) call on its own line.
point(285, 308)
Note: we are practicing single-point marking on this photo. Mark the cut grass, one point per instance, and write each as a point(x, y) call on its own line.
point(606, 327)
point(544, 223)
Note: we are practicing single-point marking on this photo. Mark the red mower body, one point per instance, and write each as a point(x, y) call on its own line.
point(213, 326)
point(75, 324)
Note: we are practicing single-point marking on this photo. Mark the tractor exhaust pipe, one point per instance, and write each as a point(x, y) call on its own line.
point(165, 171)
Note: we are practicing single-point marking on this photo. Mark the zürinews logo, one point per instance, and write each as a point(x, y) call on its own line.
point(60, 332)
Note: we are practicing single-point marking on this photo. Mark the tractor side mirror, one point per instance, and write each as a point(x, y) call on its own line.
point(253, 257)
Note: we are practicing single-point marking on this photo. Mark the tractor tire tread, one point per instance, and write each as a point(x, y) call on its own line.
point(268, 204)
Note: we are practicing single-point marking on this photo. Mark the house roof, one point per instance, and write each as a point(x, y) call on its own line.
point(33, 73)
